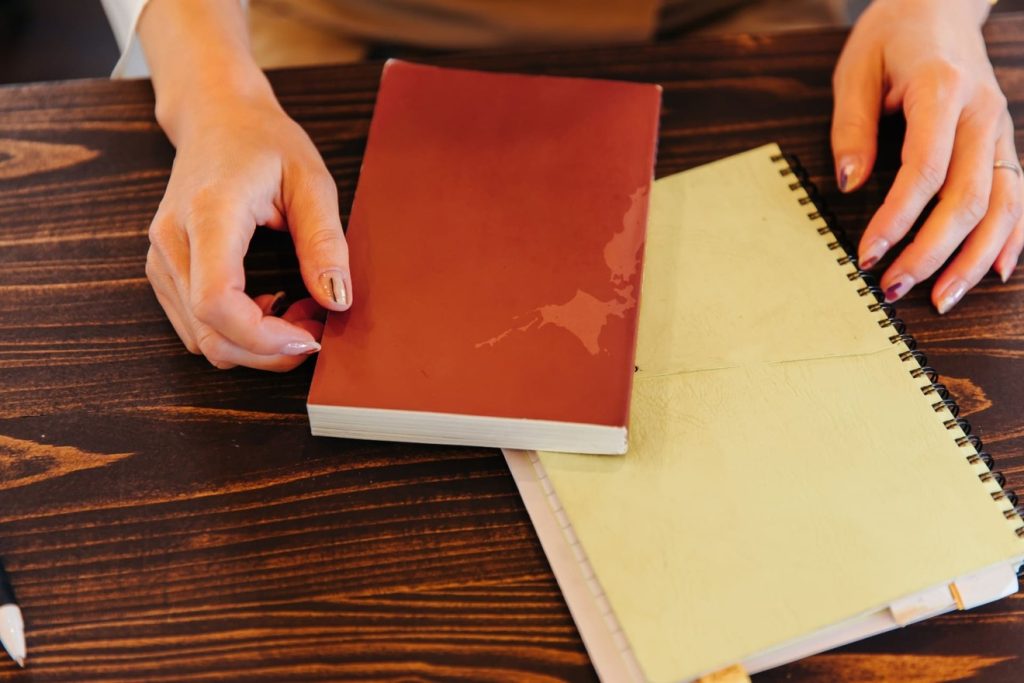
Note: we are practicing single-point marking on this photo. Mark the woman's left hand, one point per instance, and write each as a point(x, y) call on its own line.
point(928, 59)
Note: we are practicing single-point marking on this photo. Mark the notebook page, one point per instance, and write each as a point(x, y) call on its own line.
point(785, 472)
point(741, 276)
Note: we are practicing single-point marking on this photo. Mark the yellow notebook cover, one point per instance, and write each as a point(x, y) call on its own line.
point(793, 480)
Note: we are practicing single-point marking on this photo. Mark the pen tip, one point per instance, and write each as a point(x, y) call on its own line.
point(21, 662)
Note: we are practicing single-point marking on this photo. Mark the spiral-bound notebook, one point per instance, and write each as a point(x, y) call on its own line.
point(797, 478)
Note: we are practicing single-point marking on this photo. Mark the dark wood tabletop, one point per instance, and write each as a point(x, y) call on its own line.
point(163, 520)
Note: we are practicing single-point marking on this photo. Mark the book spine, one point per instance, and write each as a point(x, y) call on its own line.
point(960, 428)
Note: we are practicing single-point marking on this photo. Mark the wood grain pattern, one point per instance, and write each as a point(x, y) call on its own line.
point(163, 520)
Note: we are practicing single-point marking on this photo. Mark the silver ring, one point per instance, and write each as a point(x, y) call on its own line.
point(1009, 165)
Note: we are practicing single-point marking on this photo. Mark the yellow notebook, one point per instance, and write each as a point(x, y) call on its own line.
point(795, 479)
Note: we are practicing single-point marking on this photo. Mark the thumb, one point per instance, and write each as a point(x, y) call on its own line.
point(315, 224)
point(857, 86)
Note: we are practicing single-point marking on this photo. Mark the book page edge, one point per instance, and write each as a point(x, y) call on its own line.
point(385, 424)
point(612, 657)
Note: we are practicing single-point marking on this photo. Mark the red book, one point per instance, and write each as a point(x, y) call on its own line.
point(496, 241)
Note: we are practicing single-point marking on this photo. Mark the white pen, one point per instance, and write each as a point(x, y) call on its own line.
point(12, 626)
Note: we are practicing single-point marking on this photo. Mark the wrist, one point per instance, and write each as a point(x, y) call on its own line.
point(216, 94)
point(983, 8)
point(977, 10)
point(198, 52)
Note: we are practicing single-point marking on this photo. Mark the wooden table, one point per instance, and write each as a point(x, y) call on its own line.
point(164, 520)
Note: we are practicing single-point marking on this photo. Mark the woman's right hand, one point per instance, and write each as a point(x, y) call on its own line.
point(928, 59)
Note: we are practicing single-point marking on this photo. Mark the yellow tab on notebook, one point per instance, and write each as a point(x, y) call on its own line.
point(732, 674)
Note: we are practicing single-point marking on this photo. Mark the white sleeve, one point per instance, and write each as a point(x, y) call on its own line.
point(123, 16)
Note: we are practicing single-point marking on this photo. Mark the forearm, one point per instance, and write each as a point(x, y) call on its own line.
point(977, 9)
point(198, 53)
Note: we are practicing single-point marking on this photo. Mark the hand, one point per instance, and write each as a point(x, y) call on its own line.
point(240, 165)
point(928, 58)
point(241, 162)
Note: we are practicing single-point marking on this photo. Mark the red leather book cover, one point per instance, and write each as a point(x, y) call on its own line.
point(496, 240)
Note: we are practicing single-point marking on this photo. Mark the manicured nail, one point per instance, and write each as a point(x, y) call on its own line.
point(300, 348)
point(333, 284)
point(278, 304)
point(951, 295)
point(1006, 269)
point(873, 252)
point(847, 175)
point(898, 288)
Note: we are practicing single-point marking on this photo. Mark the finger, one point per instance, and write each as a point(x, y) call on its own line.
point(964, 203)
point(931, 128)
point(308, 315)
point(305, 309)
point(1009, 257)
point(272, 304)
point(985, 243)
point(223, 354)
point(857, 84)
point(314, 327)
point(169, 248)
point(218, 239)
point(178, 321)
point(167, 297)
point(315, 224)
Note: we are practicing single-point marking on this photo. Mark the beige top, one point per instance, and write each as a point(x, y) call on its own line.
point(331, 30)
point(297, 32)
point(462, 24)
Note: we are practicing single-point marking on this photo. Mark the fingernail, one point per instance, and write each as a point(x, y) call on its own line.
point(300, 348)
point(1006, 270)
point(278, 304)
point(333, 284)
point(951, 296)
point(873, 252)
point(847, 175)
point(898, 288)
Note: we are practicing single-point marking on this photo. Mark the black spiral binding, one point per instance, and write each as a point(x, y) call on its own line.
point(943, 401)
